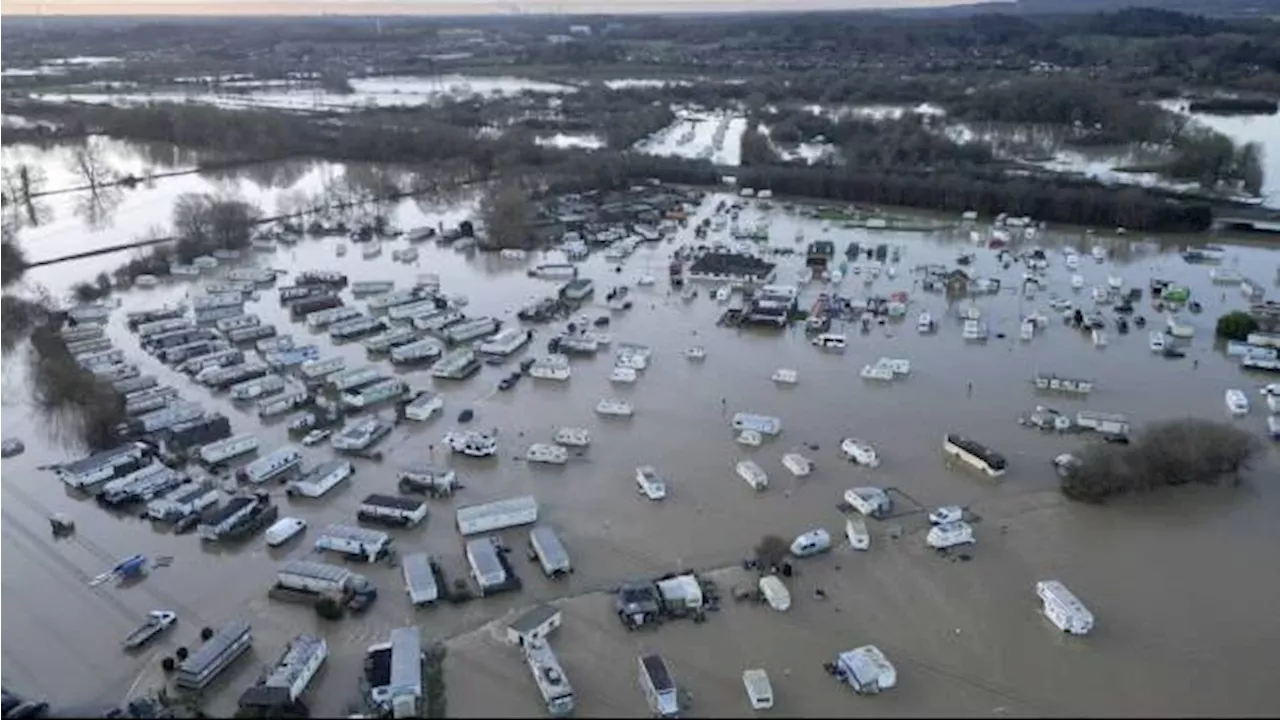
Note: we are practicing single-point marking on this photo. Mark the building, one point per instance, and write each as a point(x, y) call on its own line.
point(820, 253)
point(772, 305)
point(733, 267)
point(534, 625)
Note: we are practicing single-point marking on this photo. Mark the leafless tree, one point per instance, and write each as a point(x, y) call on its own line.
point(89, 163)
point(507, 214)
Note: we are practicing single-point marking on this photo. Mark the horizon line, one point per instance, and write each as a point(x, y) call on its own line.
point(178, 9)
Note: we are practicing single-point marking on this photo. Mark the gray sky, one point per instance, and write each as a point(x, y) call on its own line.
point(435, 7)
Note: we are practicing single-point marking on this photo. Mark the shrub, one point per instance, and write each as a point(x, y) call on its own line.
point(1236, 325)
point(1175, 452)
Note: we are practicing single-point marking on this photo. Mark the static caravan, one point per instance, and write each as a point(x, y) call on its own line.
point(487, 567)
point(420, 579)
point(271, 466)
point(356, 543)
point(549, 551)
point(1063, 608)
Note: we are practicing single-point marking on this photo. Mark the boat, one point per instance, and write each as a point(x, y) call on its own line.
point(572, 437)
point(623, 375)
point(855, 529)
point(1156, 341)
point(949, 535)
point(786, 376)
point(753, 474)
point(547, 453)
point(650, 483)
point(157, 622)
point(798, 464)
point(613, 406)
point(697, 352)
point(946, 514)
point(750, 438)
point(924, 323)
point(859, 451)
point(1237, 402)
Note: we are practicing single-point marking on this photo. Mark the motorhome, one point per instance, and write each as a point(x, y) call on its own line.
point(557, 693)
point(1063, 608)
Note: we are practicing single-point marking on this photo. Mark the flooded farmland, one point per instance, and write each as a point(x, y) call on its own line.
point(967, 637)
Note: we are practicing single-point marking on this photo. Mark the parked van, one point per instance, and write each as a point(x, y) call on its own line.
point(549, 551)
point(284, 530)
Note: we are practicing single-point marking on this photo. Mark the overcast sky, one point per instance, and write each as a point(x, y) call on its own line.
point(435, 7)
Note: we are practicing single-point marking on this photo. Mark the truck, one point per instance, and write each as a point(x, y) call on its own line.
point(420, 579)
point(308, 581)
point(545, 546)
point(393, 510)
point(659, 687)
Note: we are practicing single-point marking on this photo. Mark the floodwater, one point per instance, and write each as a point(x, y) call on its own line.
point(366, 92)
point(1183, 583)
point(714, 136)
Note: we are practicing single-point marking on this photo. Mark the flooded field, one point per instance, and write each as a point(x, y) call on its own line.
point(967, 637)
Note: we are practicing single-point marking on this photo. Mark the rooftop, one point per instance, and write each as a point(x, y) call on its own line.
point(534, 618)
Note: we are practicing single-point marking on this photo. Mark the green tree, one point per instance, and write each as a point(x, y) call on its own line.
point(1236, 325)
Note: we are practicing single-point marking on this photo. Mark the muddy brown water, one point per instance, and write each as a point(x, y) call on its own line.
point(1184, 584)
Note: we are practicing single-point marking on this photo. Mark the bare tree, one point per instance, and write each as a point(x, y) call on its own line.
point(90, 164)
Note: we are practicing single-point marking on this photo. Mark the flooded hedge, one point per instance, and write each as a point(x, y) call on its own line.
point(70, 398)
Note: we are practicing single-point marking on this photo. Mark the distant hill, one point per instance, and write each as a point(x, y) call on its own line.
point(1212, 8)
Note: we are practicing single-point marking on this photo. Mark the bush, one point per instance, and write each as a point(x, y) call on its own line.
point(329, 608)
point(1175, 452)
point(1236, 325)
point(771, 552)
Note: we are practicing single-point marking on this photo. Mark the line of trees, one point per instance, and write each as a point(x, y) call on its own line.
point(1170, 453)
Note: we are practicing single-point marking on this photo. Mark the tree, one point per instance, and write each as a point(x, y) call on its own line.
point(1249, 167)
point(203, 223)
point(90, 164)
point(1236, 325)
point(507, 215)
point(1176, 452)
point(771, 552)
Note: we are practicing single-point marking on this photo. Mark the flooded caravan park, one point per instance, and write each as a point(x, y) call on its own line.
point(966, 637)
